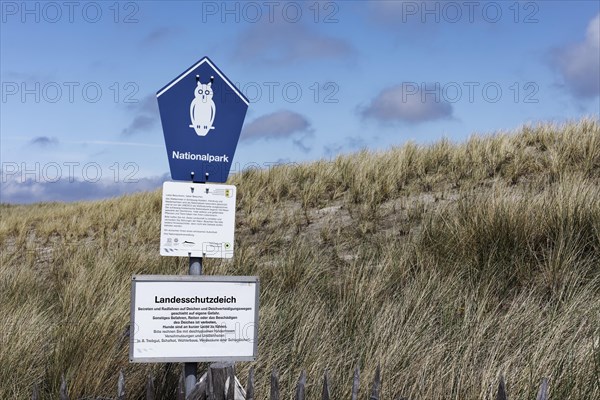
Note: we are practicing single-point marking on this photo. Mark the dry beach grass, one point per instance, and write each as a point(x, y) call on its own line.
point(449, 264)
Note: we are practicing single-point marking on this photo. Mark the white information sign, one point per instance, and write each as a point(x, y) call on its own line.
point(193, 318)
point(198, 220)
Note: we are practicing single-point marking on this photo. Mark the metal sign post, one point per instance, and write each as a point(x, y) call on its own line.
point(190, 370)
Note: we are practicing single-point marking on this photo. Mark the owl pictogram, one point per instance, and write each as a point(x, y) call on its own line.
point(202, 109)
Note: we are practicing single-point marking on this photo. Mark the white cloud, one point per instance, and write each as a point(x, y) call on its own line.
point(17, 189)
point(158, 35)
point(284, 43)
point(579, 63)
point(44, 141)
point(407, 103)
point(146, 116)
point(280, 124)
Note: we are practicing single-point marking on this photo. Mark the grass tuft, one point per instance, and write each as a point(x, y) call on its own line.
point(449, 264)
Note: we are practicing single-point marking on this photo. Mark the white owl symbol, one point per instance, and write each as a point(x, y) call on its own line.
point(202, 109)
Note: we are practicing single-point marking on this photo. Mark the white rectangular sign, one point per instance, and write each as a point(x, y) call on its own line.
point(193, 318)
point(198, 220)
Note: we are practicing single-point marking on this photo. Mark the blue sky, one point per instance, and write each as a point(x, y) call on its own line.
point(79, 119)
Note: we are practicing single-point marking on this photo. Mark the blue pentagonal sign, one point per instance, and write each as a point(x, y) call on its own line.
point(202, 114)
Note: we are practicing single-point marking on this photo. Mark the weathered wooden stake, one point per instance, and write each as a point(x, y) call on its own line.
point(356, 383)
point(121, 386)
point(375, 392)
point(223, 380)
point(230, 384)
point(325, 395)
point(64, 392)
point(543, 392)
point(250, 385)
point(199, 392)
point(274, 385)
point(35, 393)
point(501, 395)
point(181, 387)
point(301, 386)
point(210, 390)
point(150, 388)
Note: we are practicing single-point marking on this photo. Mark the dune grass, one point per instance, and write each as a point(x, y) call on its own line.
point(449, 264)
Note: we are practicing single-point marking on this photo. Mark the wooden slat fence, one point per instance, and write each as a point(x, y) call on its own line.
point(219, 383)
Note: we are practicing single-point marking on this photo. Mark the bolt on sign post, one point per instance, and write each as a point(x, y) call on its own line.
point(197, 318)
